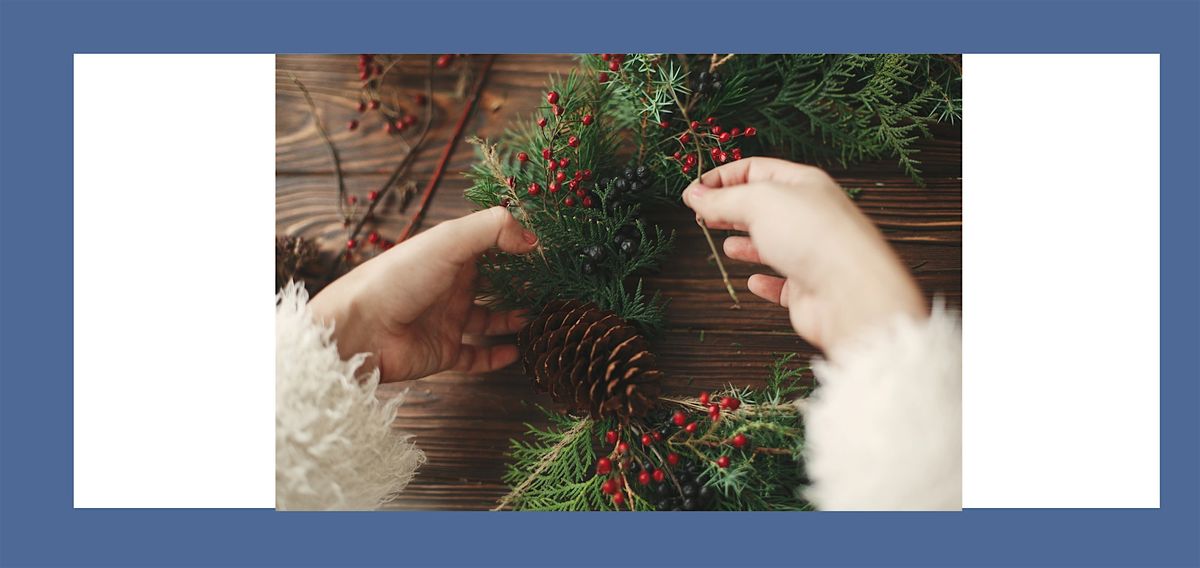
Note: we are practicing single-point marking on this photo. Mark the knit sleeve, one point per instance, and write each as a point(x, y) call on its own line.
point(884, 428)
point(335, 448)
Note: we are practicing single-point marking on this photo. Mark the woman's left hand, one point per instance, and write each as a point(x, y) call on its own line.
point(413, 307)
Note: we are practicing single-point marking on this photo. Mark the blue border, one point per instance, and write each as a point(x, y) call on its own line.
point(38, 525)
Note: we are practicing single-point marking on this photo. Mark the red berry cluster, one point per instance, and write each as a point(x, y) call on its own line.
point(713, 140)
point(621, 461)
point(715, 411)
point(614, 61)
point(565, 180)
point(395, 120)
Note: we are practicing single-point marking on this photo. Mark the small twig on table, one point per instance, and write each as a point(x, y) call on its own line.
point(337, 159)
point(396, 173)
point(441, 167)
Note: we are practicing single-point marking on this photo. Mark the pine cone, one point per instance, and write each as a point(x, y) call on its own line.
point(590, 359)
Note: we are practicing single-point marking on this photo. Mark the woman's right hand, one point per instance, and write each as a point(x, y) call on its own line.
point(839, 276)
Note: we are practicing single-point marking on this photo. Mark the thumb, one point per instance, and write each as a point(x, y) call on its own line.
point(721, 206)
point(467, 237)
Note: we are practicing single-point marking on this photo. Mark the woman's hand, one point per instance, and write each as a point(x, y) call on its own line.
point(413, 307)
point(839, 275)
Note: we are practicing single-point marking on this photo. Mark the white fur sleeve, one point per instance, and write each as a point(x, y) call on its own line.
point(884, 428)
point(334, 444)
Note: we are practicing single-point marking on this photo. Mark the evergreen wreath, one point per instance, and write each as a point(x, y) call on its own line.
point(620, 133)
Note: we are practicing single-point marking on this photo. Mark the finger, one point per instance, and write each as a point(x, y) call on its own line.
point(741, 248)
point(465, 238)
point(479, 359)
point(769, 288)
point(461, 297)
point(755, 169)
point(721, 207)
point(482, 321)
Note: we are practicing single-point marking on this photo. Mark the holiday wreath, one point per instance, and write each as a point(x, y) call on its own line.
point(620, 133)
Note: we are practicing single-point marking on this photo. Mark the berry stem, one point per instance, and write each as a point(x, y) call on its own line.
point(337, 159)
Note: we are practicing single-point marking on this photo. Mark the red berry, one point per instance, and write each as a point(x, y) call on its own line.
point(582, 193)
point(606, 56)
point(659, 476)
point(603, 77)
point(647, 439)
point(610, 486)
point(364, 59)
point(546, 153)
point(723, 462)
point(610, 436)
point(372, 195)
point(730, 403)
point(603, 466)
point(714, 412)
point(564, 162)
point(552, 165)
point(561, 176)
point(588, 201)
point(690, 428)
point(587, 119)
point(735, 131)
point(693, 125)
point(353, 125)
point(715, 152)
point(351, 243)
point(389, 128)
point(352, 199)
point(750, 131)
point(725, 137)
point(542, 122)
point(614, 65)
point(673, 459)
point(737, 153)
point(364, 74)
point(374, 104)
point(419, 98)
point(622, 448)
point(553, 187)
point(573, 141)
point(410, 119)
point(663, 124)
point(373, 237)
point(690, 160)
point(400, 125)
point(512, 181)
point(704, 397)
point(573, 185)
point(534, 188)
point(362, 107)
point(618, 499)
point(687, 168)
point(569, 201)
point(644, 478)
point(677, 155)
point(685, 138)
point(738, 441)
point(443, 61)
point(716, 129)
point(523, 157)
point(710, 120)
point(552, 97)
point(679, 418)
point(587, 174)
point(558, 111)
point(657, 436)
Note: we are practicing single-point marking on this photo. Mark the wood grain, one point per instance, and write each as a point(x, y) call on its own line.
point(464, 422)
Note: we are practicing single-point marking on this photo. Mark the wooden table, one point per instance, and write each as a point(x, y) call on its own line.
point(464, 422)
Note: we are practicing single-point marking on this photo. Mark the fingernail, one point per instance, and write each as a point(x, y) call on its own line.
point(529, 237)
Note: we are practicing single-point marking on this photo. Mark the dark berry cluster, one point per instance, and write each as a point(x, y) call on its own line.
point(626, 241)
point(689, 495)
point(624, 190)
point(706, 83)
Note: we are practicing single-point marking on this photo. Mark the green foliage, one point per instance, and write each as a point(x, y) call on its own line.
point(556, 469)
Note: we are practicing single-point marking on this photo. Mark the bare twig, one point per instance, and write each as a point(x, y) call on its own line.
point(454, 136)
point(337, 159)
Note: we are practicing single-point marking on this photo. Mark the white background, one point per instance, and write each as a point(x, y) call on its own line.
point(174, 220)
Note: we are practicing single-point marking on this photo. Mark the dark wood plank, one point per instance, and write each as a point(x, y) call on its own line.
point(464, 422)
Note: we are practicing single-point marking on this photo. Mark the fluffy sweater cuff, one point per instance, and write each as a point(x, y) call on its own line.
point(334, 444)
point(884, 429)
